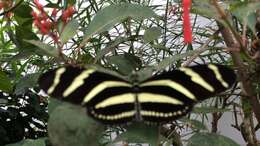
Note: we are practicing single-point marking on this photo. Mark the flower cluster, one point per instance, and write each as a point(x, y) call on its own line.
point(47, 24)
point(6, 4)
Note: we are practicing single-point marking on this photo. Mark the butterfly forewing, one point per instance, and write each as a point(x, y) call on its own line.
point(172, 94)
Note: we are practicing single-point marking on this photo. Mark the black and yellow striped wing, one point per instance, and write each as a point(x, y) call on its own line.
point(107, 98)
point(161, 98)
point(172, 94)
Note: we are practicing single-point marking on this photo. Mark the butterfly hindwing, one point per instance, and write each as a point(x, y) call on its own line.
point(107, 98)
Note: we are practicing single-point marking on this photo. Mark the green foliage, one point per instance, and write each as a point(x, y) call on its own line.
point(114, 14)
point(69, 31)
point(206, 139)
point(5, 83)
point(139, 133)
point(69, 125)
point(123, 37)
point(30, 142)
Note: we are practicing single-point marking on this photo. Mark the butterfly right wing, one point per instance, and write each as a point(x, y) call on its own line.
point(108, 98)
point(170, 95)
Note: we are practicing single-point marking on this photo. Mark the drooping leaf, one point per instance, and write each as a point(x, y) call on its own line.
point(210, 139)
point(151, 34)
point(47, 49)
point(110, 47)
point(170, 60)
point(30, 142)
point(24, 32)
point(22, 15)
point(245, 12)
point(69, 125)
point(69, 31)
point(140, 133)
point(25, 83)
point(194, 124)
point(5, 82)
point(206, 9)
point(109, 16)
point(125, 63)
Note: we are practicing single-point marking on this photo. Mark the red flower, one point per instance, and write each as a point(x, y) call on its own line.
point(186, 21)
point(1, 5)
point(38, 5)
point(54, 12)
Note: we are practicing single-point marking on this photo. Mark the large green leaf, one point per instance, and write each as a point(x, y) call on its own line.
point(5, 83)
point(109, 16)
point(140, 133)
point(22, 15)
point(194, 124)
point(125, 63)
point(151, 34)
point(111, 47)
point(206, 9)
point(170, 60)
point(30, 142)
point(69, 125)
point(245, 11)
point(69, 31)
point(210, 139)
point(45, 48)
point(25, 83)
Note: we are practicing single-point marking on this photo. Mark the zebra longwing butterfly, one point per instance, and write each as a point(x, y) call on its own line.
point(161, 98)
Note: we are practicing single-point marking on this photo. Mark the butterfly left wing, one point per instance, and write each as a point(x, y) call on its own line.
point(172, 94)
point(108, 98)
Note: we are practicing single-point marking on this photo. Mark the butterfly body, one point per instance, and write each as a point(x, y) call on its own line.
point(161, 98)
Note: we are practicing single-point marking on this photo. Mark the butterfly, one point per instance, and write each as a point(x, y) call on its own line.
point(159, 99)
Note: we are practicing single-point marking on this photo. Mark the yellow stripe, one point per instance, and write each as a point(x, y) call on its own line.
point(171, 84)
point(157, 98)
point(166, 114)
point(218, 75)
point(77, 82)
point(56, 80)
point(103, 85)
point(114, 117)
point(195, 77)
point(114, 100)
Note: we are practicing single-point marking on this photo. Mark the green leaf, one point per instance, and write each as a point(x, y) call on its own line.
point(26, 82)
point(45, 48)
point(30, 142)
point(194, 124)
point(109, 16)
point(22, 14)
point(69, 31)
point(206, 9)
point(5, 83)
point(246, 12)
point(210, 139)
point(140, 133)
point(125, 63)
point(69, 125)
point(24, 32)
point(151, 34)
point(206, 110)
point(110, 47)
point(53, 104)
point(170, 60)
